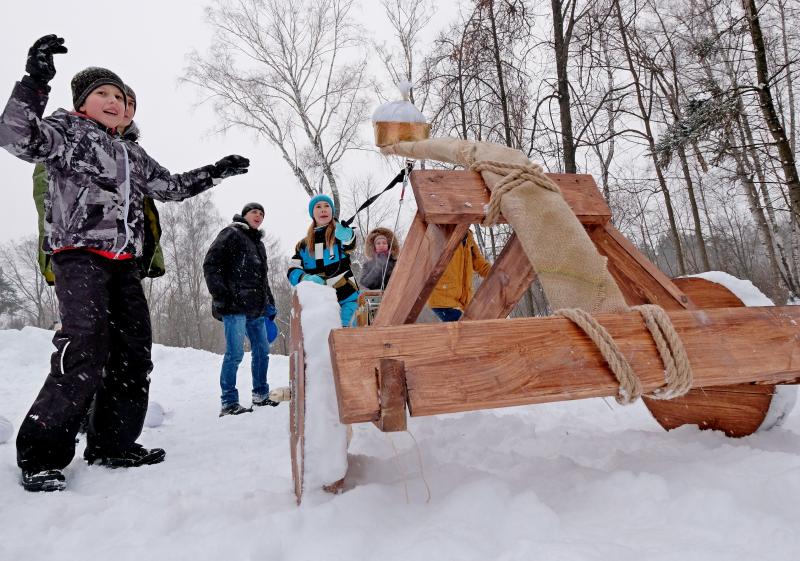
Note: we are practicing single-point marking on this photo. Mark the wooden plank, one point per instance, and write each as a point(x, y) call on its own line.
point(482, 364)
point(426, 254)
point(640, 281)
point(511, 275)
point(454, 197)
point(392, 395)
point(297, 405)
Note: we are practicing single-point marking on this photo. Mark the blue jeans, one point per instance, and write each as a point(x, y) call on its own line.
point(348, 308)
point(236, 326)
point(447, 314)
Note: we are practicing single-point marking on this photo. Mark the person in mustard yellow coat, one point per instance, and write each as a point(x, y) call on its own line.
point(454, 290)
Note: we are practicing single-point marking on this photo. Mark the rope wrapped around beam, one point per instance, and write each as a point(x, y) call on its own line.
point(677, 369)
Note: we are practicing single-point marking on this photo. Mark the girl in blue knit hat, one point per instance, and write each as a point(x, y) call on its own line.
point(323, 256)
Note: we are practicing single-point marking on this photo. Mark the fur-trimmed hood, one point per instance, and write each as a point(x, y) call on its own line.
point(369, 243)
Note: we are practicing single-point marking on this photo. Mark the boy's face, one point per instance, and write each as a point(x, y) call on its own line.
point(254, 218)
point(322, 213)
point(130, 111)
point(106, 105)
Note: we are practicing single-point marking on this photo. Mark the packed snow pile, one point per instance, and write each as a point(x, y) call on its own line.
point(325, 437)
point(573, 481)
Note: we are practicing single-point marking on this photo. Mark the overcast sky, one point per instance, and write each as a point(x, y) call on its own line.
point(152, 40)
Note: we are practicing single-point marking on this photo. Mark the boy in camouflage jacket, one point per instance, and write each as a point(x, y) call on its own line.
point(94, 229)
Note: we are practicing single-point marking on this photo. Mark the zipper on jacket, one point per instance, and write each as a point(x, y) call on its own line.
point(61, 361)
point(127, 189)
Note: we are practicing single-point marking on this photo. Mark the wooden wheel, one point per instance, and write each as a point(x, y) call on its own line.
point(297, 405)
point(739, 409)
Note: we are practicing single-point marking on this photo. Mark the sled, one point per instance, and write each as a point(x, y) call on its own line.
point(394, 368)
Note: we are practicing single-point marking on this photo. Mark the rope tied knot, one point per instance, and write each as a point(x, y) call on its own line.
point(514, 175)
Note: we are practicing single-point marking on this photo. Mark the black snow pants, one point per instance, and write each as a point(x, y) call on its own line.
point(103, 348)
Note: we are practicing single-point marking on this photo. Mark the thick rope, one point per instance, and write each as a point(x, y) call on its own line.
point(630, 387)
point(677, 369)
point(514, 176)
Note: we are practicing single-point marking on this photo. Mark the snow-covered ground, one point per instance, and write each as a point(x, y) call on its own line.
point(586, 480)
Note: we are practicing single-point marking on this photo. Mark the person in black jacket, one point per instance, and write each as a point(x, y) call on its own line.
point(235, 269)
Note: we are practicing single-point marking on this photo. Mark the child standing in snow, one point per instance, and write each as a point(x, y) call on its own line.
point(381, 249)
point(93, 228)
point(323, 256)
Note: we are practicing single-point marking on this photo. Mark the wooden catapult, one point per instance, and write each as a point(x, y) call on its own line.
point(395, 368)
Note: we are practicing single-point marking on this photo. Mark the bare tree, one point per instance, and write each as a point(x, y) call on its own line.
point(407, 18)
point(293, 73)
point(179, 301)
point(35, 300)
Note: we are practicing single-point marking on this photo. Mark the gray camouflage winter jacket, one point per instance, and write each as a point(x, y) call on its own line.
point(97, 180)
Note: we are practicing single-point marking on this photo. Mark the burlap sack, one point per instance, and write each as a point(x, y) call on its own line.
point(572, 272)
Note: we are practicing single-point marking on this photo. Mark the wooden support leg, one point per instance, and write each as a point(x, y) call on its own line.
point(426, 254)
point(640, 281)
point(392, 394)
point(510, 277)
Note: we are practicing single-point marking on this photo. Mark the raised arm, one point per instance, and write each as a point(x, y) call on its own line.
point(23, 132)
point(164, 186)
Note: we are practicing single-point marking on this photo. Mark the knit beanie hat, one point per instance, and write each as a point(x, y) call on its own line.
point(317, 199)
point(251, 206)
point(89, 79)
point(130, 94)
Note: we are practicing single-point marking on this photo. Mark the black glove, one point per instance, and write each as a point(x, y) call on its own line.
point(40, 66)
point(230, 166)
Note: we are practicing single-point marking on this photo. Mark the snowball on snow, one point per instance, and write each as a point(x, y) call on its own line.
point(155, 415)
point(6, 430)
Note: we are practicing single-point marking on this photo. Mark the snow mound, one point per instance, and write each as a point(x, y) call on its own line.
point(325, 437)
point(6, 430)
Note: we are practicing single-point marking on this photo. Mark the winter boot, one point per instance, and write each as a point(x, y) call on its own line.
point(260, 401)
point(47, 480)
point(135, 456)
point(234, 409)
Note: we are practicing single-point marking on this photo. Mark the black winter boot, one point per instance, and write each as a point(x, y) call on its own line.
point(261, 401)
point(135, 456)
point(47, 480)
point(234, 409)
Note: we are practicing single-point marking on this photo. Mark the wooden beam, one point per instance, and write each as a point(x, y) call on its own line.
point(640, 281)
point(511, 275)
point(297, 405)
point(454, 197)
point(482, 364)
point(426, 254)
point(391, 380)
